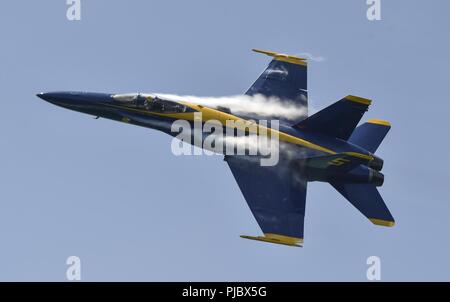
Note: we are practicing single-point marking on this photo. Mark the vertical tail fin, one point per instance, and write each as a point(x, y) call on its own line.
point(339, 119)
point(370, 135)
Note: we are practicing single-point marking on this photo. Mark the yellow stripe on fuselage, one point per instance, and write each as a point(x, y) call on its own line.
point(241, 124)
point(208, 114)
point(362, 156)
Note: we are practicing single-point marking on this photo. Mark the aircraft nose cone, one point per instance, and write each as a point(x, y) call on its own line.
point(42, 96)
point(50, 97)
point(74, 99)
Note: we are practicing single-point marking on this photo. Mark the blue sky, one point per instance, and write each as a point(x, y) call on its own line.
point(115, 196)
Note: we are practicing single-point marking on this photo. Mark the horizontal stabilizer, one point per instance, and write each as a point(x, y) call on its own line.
point(370, 135)
point(339, 119)
point(367, 199)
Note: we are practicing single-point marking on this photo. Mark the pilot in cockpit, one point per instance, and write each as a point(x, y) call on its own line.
point(140, 100)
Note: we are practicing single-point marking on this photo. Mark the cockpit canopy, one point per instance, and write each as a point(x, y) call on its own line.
point(149, 102)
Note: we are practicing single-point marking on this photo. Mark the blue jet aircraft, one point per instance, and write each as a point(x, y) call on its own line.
point(327, 146)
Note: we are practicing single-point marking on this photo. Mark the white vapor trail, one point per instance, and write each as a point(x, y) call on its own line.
point(245, 104)
point(311, 57)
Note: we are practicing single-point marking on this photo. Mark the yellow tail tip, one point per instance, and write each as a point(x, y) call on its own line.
point(357, 99)
point(379, 122)
point(386, 223)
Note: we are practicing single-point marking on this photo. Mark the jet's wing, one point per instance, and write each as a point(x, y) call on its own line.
point(285, 79)
point(275, 196)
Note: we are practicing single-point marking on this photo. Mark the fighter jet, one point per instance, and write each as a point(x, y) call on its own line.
point(327, 146)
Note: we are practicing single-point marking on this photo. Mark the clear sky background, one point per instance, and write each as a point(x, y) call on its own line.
point(115, 196)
